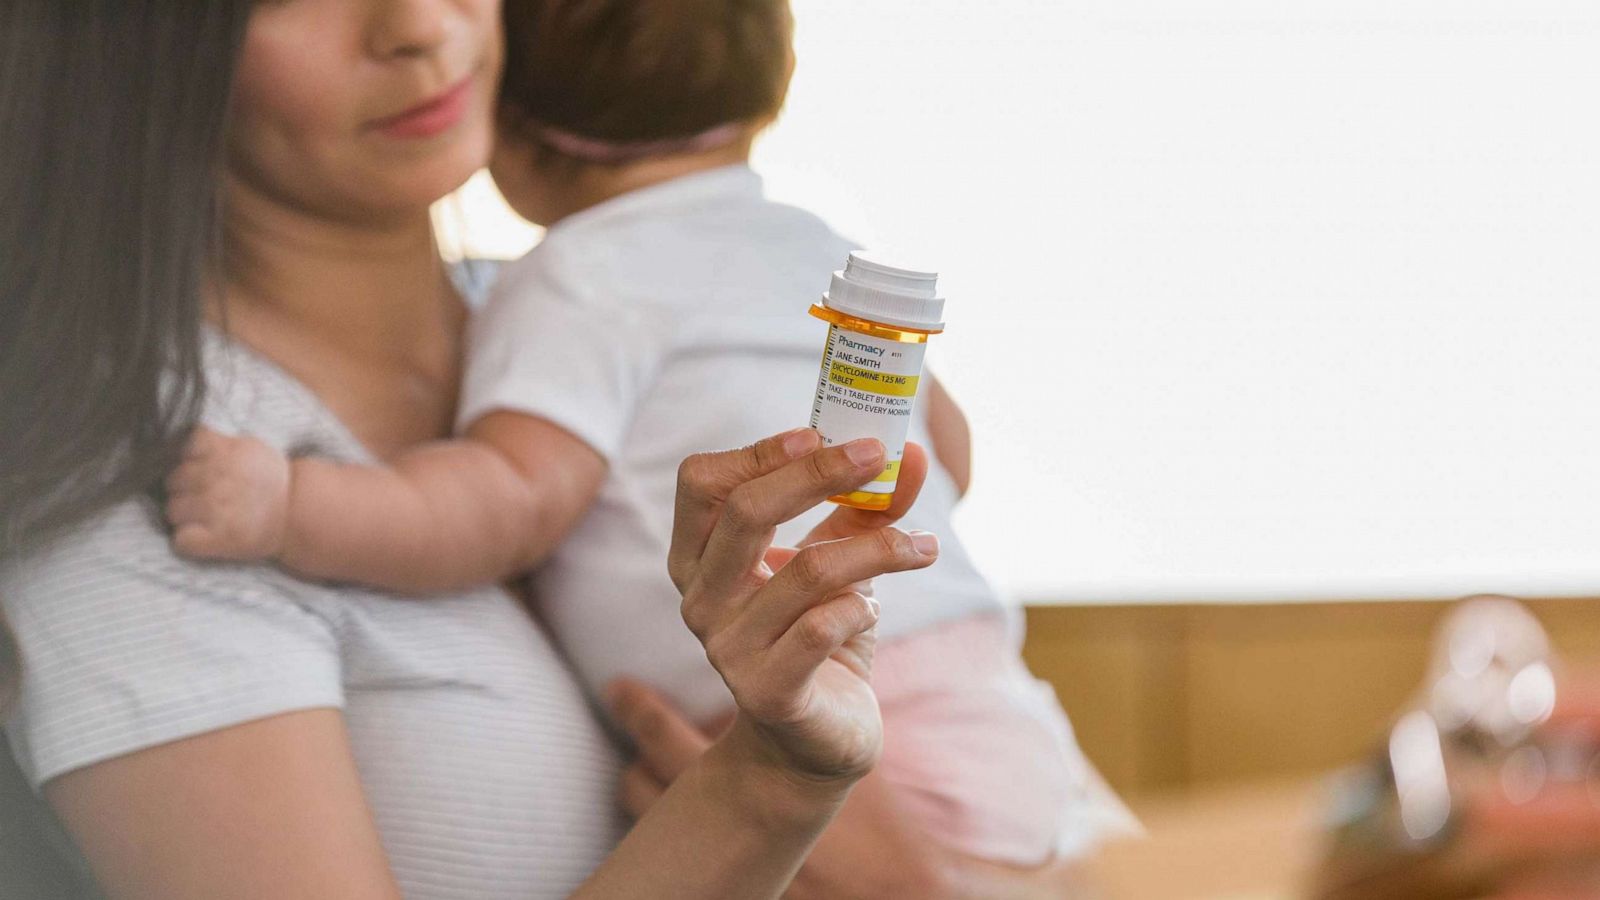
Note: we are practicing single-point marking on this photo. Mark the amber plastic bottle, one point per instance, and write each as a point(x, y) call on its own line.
point(879, 317)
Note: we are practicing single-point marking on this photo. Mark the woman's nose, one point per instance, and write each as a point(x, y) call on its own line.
point(409, 28)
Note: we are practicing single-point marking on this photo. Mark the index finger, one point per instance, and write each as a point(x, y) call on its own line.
point(706, 479)
point(846, 521)
point(744, 531)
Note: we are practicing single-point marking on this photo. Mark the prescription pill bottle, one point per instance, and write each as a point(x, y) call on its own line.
point(879, 318)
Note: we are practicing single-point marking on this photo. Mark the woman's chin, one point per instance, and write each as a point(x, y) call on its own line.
point(428, 170)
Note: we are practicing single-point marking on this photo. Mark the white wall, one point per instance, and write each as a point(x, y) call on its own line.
point(1248, 300)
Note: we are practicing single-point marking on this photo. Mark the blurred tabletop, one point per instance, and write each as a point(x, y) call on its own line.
point(1255, 841)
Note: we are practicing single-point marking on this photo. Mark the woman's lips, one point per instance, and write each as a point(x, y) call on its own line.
point(433, 116)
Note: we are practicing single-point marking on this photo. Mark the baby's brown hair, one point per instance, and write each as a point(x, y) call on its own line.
point(640, 71)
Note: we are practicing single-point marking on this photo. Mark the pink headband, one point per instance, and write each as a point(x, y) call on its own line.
point(604, 152)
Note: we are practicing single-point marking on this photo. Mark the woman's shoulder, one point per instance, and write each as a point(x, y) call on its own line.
point(125, 645)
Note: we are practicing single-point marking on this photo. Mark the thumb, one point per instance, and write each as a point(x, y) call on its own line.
point(846, 521)
point(667, 742)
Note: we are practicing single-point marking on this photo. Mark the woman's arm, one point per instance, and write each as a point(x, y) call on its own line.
point(267, 809)
point(793, 640)
point(740, 828)
point(872, 849)
point(274, 809)
point(443, 516)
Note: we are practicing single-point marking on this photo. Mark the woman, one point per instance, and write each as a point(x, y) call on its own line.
point(230, 731)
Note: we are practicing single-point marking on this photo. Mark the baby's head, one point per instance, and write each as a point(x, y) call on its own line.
point(605, 96)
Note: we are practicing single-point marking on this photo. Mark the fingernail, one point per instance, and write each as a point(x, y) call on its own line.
point(875, 606)
point(800, 442)
point(864, 451)
point(926, 542)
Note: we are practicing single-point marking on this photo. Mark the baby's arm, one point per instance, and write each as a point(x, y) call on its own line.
point(952, 439)
point(447, 515)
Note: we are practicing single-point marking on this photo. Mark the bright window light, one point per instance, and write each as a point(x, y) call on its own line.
point(1248, 300)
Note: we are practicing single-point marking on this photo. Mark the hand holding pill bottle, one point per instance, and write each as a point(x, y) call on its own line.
point(880, 318)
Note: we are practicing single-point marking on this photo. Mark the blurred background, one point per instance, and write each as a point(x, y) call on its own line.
point(1276, 324)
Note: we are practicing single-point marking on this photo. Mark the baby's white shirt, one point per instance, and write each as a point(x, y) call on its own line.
point(665, 322)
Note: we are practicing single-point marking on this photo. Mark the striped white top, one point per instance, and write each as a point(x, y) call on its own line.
point(487, 772)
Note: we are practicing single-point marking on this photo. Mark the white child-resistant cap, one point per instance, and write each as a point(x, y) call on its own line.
point(870, 289)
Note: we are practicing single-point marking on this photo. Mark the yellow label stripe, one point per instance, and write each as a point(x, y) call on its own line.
point(873, 382)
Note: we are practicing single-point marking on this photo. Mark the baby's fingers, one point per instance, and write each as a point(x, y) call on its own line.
point(196, 531)
point(197, 541)
point(188, 478)
point(203, 442)
point(188, 509)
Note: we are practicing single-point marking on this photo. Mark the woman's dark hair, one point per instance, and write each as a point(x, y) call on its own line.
point(112, 117)
point(622, 70)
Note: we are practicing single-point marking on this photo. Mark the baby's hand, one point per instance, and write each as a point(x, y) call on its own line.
point(229, 499)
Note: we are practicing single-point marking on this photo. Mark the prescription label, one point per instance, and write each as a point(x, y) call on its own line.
point(867, 388)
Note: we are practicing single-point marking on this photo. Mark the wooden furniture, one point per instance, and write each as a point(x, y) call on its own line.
point(1247, 842)
point(1171, 697)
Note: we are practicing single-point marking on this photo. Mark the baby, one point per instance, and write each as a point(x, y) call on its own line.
point(664, 314)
